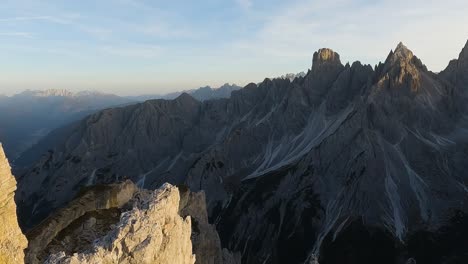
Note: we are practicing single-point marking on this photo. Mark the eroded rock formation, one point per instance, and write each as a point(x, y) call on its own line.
point(120, 223)
point(94, 200)
point(151, 232)
point(12, 240)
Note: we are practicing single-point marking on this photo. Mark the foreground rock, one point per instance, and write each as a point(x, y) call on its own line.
point(120, 223)
point(12, 241)
point(152, 232)
point(97, 202)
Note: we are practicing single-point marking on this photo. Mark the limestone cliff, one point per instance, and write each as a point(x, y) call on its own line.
point(120, 223)
point(205, 238)
point(12, 241)
point(95, 200)
point(152, 232)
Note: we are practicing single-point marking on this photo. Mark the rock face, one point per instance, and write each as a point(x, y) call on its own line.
point(457, 70)
point(152, 232)
point(294, 171)
point(12, 240)
point(95, 199)
point(205, 238)
point(119, 223)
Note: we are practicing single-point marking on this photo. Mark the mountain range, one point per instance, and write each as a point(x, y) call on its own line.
point(29, 116)
point(201, 94)
point(348, 164)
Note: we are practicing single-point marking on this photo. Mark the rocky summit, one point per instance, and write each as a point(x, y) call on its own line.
point(348, 164)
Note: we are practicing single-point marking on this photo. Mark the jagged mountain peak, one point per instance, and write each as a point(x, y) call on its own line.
point(401, 55)
point(61, 93)
point(185, 98)
point(457, 70)
point(55, 92)
point(402, 48)
point(47, 93)
point(401, 69)
point(325, 56)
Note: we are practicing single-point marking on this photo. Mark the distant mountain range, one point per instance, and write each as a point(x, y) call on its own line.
point(201, 94)
point(28, 116)
point(292, 76)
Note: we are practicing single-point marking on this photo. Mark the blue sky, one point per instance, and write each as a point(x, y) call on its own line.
point(137, 46)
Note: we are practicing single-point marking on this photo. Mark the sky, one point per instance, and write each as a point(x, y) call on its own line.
point(131, 47)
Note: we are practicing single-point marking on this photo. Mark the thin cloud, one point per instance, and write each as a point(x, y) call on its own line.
point(17, 34)
point(52, 19)
point(245, 4)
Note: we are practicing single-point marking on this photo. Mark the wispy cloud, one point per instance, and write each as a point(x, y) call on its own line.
point(245, 4)
point(53, 19)
point(17, 34)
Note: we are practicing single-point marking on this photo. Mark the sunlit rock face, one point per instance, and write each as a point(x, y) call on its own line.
point(94, 207)
point(120, 223)
point(376, 156)
point(12, 240)
point(151, 232)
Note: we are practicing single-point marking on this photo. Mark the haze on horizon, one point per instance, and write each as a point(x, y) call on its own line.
point(131, 47)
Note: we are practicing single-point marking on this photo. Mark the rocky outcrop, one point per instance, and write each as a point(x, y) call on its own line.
point(205, 238)
point(12, 240)
point(151, 232)
point(402, 69)
point(120, 223)
point(94, 199)
point(326, 67)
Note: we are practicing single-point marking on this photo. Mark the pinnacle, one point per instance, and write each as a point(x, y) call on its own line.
point(402, 51)
point(401, 46)
point(401, 54)
point(325, 54)
point(325, 57)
